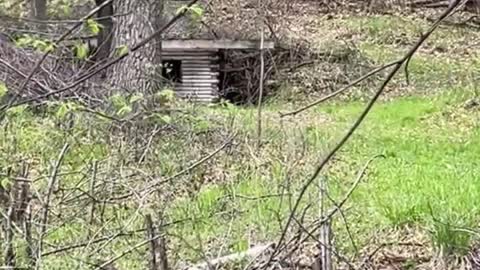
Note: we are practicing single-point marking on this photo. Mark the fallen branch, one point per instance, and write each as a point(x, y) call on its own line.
point(218, 262)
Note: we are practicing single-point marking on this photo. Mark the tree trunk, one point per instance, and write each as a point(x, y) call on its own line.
point(105, 36)
point(38, 12)
point(38, 9)
point(139, 71)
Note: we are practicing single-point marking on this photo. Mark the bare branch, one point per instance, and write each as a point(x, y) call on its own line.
point(357, 123)
point(46, 206)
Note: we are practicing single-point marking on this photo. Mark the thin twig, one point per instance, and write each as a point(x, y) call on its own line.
point(262, 75)
point(46, 206)
point(126, 252)
point(338, 92)
point(113, 61)
point(47, 53)
point(357, 123)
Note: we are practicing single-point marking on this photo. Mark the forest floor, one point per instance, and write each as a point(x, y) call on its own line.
point(421, 201)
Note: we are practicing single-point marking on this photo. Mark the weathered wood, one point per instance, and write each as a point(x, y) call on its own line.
point(206, 89)
point(197, 78)
point(218, 262)
point(197, 84)
point(196, 51)
point(215, 44)
point(199, 70)
point(197, 90)
point(193, 57)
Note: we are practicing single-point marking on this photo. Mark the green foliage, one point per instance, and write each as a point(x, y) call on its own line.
point(121, 105)
point(195, 11)
point(121, 50)
point(62, 109)
point(165, 97)
point(3, 89)
point(61, 8)
point(81, 51)
point(30, 41)
point(449, 237)
point(93, 26)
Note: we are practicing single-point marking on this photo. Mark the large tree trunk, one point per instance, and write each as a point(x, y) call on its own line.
point(38, 9)
point(105, 36)
point(38, 12)
point(139, 71)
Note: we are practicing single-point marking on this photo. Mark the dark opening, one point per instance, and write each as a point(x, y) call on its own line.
point(172, 70)
point(239, 76)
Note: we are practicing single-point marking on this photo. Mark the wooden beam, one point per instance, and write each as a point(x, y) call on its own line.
point(214, 44)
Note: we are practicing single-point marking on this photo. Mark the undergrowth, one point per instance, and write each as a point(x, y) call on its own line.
point(241, 196)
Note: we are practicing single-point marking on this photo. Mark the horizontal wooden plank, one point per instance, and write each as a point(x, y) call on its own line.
point(191, 57)
point(192, 72)
point(215, 44)
point(196, 95)
point(211, 69)
point(197, 86)
point(198, 78)
point(193, 77)
point(197, 68)
point(211, 91)
point(200, 94)
point(205, 93)
point(186, 59)
point(188, 76)
point(177, 52)
point(198, 82)
point(165, 50)
point(201, 65)
point(200, 73)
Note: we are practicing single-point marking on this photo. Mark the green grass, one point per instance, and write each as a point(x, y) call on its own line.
point(428, 179)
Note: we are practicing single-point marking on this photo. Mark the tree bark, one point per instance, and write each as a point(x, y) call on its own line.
point(105, 36)
point(38, 12)
point(139, 71)
point(38, 9)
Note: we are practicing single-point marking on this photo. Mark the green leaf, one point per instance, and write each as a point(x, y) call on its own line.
point(62, 111)
point(50, 47)
point(17, 110)
point(124, 110)
point(166, 119)
point(196, 10)
point(167, 94)
point(93, 26)
point(81, 51)
point(5, 182)
point(65, 108)
point(3, 89)
point(118, 101)
point(136, 98)
point(121, 50)
point(182, 9)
